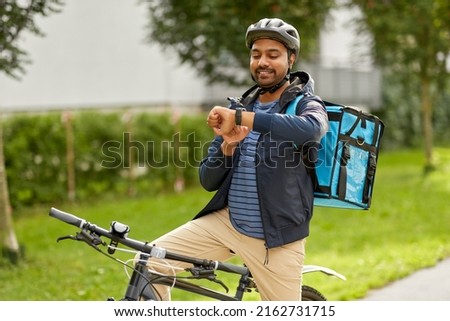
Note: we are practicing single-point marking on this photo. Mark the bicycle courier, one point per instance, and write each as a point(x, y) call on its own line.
point(344, 171)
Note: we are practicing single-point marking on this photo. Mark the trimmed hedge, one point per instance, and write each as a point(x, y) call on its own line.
point(118, 153)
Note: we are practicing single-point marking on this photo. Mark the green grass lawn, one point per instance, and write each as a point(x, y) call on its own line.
point(407, 228)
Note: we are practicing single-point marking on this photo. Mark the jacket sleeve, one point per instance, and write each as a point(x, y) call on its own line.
point(308, 126)
point(215, 166)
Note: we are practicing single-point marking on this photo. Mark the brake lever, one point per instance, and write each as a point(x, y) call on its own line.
point(201, 273)
point(67, 237)
point(216, 280)
point(90, 238)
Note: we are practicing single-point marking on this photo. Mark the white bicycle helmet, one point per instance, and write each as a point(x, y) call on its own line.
point(276, 29)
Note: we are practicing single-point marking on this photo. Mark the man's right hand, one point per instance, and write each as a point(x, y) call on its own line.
point(221, 120)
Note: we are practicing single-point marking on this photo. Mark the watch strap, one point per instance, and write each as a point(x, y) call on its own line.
point(238, 116)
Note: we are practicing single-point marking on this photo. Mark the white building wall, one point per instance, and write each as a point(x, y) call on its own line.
point(94, 55)
point(345, 72)
point(340, 44)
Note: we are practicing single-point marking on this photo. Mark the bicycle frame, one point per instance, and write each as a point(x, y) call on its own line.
point(141, 281)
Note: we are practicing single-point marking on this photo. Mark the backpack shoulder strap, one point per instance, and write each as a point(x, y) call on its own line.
point(292, 106)
point(307, 157)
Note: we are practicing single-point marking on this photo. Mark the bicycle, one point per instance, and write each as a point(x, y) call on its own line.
point(142, 279)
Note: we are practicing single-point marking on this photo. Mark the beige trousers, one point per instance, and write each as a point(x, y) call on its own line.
point(276, 271)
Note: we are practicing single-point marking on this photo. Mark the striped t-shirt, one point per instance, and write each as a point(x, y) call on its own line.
point(243, 201)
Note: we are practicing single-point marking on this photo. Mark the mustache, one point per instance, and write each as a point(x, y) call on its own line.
point(264, 70)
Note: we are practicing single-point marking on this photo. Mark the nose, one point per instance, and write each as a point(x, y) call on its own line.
point(263, 62)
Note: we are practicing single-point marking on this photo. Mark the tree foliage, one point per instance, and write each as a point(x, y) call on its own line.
point(16, 17)
point(411, 41)
point(413, 35)
point(210, 34)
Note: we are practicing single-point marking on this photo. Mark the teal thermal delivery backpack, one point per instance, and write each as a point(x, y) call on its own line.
point(344, 171)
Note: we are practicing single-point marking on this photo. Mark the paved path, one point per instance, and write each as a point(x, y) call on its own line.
point(429, 284)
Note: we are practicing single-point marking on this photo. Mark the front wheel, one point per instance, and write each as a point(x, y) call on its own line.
point(311, 294)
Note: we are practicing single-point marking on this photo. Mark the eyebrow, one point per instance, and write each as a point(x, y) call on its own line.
point(271, 50)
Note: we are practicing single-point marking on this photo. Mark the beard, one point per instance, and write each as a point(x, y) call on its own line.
point(266, 77)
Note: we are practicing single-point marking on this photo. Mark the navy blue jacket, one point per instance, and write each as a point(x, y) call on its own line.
point(285, 187)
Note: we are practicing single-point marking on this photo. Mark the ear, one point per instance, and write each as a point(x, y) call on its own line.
point(291, 59)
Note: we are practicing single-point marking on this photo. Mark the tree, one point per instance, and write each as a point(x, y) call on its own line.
point(16, 17)
point(210, 34)
point(411, 40)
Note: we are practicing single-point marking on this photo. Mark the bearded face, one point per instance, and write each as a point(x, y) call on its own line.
point(269, 62)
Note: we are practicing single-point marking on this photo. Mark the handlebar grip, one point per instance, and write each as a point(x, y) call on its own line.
point(227, 267)
point(67, 218)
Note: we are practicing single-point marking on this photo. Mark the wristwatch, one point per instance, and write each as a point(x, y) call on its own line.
point(238, 115)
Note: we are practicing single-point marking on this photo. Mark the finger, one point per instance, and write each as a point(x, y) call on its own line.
point(217, 131)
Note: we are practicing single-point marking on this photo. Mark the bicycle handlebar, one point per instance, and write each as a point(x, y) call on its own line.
point(144, 246)
point(67, 218)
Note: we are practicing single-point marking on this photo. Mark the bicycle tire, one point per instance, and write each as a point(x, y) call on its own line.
point(311, 294)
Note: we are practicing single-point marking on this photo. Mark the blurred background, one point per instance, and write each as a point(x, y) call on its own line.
point(108, 97)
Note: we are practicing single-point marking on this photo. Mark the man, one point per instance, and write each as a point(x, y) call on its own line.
point(264, 200)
